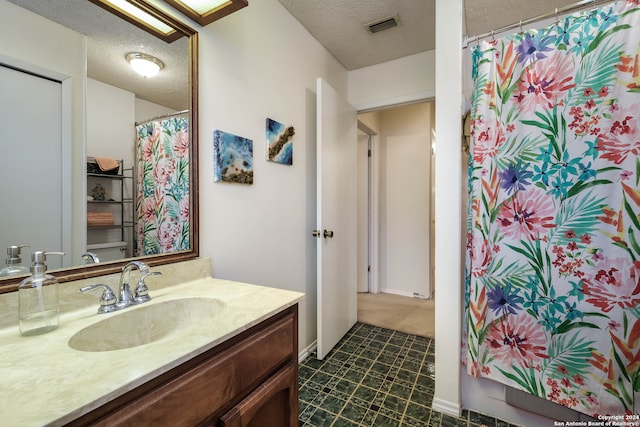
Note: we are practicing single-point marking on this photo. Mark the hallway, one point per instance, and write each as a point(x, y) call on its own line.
point(410, 315)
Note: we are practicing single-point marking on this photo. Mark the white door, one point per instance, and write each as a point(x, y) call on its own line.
point(337, 232)
point(31, 134)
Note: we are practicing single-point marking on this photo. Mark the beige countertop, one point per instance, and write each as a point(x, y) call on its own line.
point(43, 381)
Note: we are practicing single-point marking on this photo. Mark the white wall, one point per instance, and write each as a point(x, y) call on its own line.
point(258, 63)
point(146, 110)
point(448, 294)
point(110, 122)
point(110, 133)
point(400, 81)
point(404, 151)
point(111, 117)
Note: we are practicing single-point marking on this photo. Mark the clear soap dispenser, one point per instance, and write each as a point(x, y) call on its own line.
point(14, 265)
point(38, 310)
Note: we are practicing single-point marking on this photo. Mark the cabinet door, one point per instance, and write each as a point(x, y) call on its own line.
point(273, 404)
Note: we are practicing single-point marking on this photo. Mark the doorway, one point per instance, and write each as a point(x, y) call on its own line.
point(396, 206)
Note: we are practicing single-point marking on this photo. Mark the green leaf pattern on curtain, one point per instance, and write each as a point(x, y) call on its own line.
point(552, 291)
point(162, 199)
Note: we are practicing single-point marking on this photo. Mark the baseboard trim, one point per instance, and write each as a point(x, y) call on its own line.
point(446, 407)
point(307, 351)
point(402, 293)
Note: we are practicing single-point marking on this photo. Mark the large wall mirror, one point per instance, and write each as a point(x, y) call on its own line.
point(99, 162)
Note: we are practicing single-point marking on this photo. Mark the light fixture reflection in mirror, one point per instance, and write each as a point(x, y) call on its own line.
point(80, 271)
point(205, 12)
point(143, 64)
point(143, 16)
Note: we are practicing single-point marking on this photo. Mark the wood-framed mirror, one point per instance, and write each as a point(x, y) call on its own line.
point(33, 25)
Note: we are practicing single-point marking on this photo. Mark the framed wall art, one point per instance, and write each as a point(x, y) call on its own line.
point(279, 142)
point(232, 158)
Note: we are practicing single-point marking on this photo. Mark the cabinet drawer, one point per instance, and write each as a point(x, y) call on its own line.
point(201, 393)
point(273, 404)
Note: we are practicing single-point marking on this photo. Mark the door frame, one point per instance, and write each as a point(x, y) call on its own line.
point(374, 191)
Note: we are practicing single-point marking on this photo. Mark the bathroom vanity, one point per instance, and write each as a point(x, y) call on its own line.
point(249, 380)
point(202, 352)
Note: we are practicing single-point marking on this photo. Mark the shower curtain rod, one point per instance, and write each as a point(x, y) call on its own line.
point(559, 10)
point(162, 116)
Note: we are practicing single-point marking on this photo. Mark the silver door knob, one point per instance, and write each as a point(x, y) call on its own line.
point(327, 233)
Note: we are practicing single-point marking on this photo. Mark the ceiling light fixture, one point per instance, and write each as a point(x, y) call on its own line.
point(206, 11)
point(143, 64)
point(138, 13)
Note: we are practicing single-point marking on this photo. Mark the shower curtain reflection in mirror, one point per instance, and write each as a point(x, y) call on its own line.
point(162, 193)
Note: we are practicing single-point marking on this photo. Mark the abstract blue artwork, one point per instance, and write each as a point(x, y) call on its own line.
point(232, 158)
point(279, 142)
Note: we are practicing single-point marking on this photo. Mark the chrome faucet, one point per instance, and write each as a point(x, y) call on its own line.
point(90, 258)
point(126, 298)
point(109, 302)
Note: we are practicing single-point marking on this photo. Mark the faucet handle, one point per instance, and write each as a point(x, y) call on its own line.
point(142, 291)
point(107, 300)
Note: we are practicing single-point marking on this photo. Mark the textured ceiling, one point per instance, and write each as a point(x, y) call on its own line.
point(339, 25)
point(110, 38)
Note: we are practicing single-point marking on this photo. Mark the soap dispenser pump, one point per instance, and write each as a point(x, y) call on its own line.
point(14, 265)
point(38, 310)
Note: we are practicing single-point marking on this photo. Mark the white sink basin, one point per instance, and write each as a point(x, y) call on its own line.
point(145, 324)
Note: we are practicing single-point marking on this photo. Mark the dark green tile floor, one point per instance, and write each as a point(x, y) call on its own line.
point(376, 377)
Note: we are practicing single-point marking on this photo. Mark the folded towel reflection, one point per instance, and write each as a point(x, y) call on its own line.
point(105, 164)
point(99, 219)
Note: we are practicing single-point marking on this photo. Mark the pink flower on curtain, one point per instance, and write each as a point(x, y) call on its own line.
point(545, 82)
point(163, 170)
point(149, 144)
point(488, 142)
point(528, 214)
point(621, 140)
point(518, 339)
point(184, 209)
point(616, 285)
point(481, 254)
point(148, 209)
point(167, 235)
point(181, 144)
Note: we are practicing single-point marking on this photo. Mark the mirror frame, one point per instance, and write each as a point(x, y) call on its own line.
point(94, 270)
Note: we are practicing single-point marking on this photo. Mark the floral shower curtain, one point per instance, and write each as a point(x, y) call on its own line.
point(162, 196)
point(553, 247)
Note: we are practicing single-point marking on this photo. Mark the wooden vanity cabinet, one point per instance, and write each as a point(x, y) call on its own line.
point(248, 381)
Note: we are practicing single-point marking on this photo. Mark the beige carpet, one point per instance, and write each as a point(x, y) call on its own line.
point(404, 314)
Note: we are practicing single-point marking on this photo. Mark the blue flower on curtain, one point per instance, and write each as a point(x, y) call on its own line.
point(552, 292)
